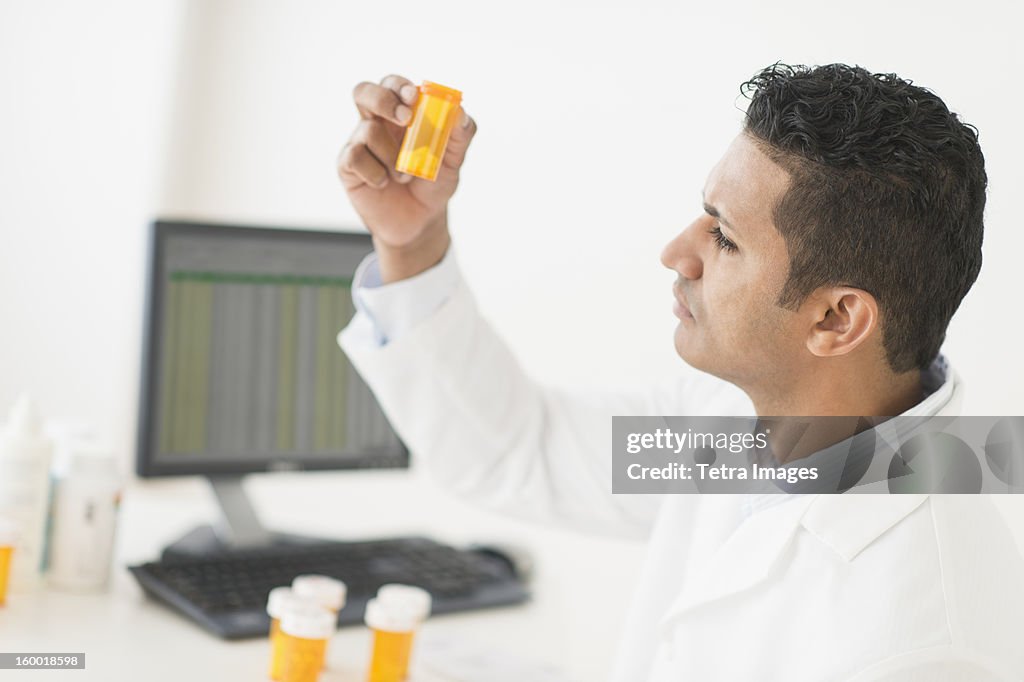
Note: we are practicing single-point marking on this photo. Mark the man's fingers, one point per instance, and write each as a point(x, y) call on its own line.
point(372, 152)
point(382, 143)
point(356, 162)
point(458, 143)
point(403, 87)
point(373, 140)
point(377, 101)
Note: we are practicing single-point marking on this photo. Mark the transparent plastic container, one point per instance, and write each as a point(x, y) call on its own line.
point(280, 601)
point(426, 137)
point(304, 633)
point(394, 625)
point(8, 537)
point(410, 599)
point(322, 590)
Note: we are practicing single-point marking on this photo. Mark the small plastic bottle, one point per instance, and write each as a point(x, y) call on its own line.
point(304, 633)
point(25, 454)
point(409, 598)
point(8, 537)
point(323, 590)
point(426, 137)
point(280, 601)
point(393, 631)
point(84, 520)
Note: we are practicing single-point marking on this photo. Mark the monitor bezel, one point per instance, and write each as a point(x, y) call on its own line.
point(147, 465)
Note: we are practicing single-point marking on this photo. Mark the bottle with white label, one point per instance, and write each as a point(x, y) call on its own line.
point(25, 454)
point(86, 498)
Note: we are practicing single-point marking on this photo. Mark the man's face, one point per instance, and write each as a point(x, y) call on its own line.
point(731, 263)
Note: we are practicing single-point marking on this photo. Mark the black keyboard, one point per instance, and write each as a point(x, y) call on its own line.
point(227, 593)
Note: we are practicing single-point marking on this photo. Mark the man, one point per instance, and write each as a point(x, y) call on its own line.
point(841, 229)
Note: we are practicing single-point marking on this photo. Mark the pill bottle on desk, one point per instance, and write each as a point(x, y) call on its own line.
point(304, 634)
point(86, 498)
point(322, 590)
point(411, 599)
point(426, 137)
point(280, 601)
point(25, 455)
point(393, 630)
point(8, 537)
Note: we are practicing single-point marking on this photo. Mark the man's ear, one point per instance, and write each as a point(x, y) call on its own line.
point(843, 318)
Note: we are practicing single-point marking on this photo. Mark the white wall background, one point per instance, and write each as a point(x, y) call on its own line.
point(598, 123)
point(83, 113)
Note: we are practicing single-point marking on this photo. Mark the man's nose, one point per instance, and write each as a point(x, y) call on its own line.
point(683, 255)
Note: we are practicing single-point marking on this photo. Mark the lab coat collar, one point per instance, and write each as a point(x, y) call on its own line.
point(847, 524)
point(844, 524)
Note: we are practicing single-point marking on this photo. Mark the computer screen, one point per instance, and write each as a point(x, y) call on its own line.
point(241, 367)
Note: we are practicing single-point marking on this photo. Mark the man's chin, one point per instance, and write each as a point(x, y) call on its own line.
point(692, 352)
point(688, 349)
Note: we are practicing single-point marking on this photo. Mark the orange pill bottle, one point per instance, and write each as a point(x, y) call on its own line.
point(280, 601)
point(426, 138)
point(8, 536)
point(304, 633)
point(393, 631)
point(323, 590)
point(412, 600)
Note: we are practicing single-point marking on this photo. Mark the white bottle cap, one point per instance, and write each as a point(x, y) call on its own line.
point(24, 429)
point(8, 532)
point(24, 418)
point(382, 616)
point(309, 622)
point(406, 597)
point(326, 591)
point(283, 599)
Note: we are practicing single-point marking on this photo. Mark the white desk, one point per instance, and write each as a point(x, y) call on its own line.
point(572, 623)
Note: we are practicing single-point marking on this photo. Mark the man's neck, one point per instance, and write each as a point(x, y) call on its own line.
point(865, 398)
point(841, 393)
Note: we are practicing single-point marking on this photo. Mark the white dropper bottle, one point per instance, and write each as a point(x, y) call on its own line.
point(25, 454)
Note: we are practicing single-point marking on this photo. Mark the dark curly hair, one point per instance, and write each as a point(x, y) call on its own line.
point(887, 194)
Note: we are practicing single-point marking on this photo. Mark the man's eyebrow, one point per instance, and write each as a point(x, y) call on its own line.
point(713, 212)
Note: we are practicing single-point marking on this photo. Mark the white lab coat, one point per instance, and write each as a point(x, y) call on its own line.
point(833, 587)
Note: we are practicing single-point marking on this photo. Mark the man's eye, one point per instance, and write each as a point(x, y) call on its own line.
point(721, 240)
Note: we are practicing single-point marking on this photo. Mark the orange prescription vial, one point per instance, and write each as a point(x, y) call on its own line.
point(323, 590)
point(393, 630)
point(413, 600)
point(437, 110)
point(8, 532)
point(280, 601)
point(304, 633)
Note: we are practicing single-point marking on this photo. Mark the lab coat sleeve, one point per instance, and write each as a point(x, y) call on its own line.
point(462, 403)
point(395, 308)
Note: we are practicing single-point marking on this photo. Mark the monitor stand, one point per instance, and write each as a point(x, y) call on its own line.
point(239, 529)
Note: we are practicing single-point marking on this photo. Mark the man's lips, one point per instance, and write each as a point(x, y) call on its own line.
point(679, 307)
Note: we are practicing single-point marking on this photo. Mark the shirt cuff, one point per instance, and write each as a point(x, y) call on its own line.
point(395, 308)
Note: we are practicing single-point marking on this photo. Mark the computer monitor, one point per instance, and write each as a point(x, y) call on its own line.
point(241, 368)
